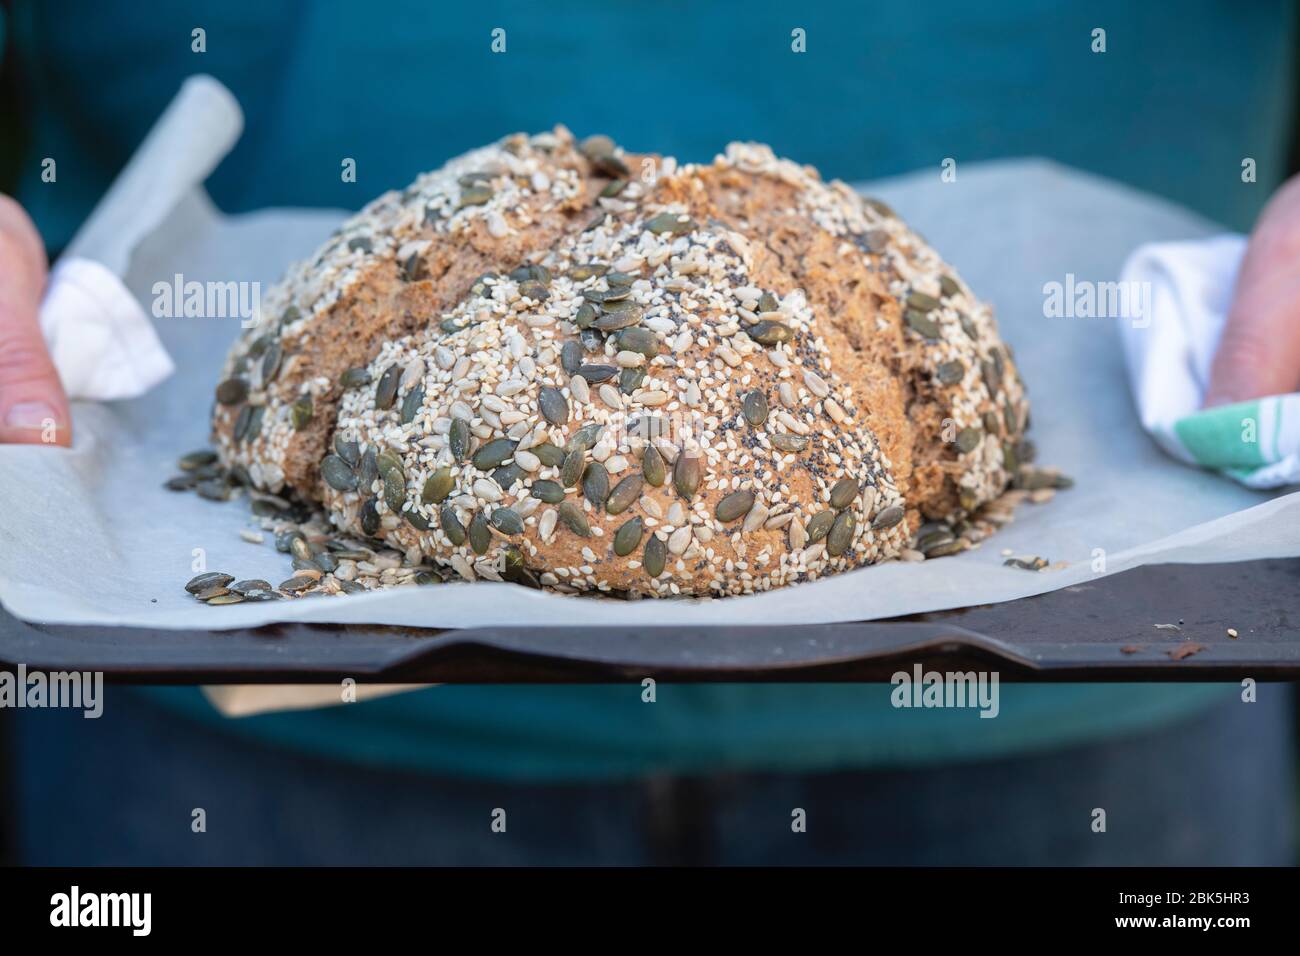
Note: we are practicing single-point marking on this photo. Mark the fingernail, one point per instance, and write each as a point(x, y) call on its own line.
point(31, 415)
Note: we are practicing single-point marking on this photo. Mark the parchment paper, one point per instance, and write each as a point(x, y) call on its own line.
point(89, 536)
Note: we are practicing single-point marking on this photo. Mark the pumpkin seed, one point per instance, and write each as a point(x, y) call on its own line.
point(241, 423)
point(628, 536)
point(255, 419)
point(213, 489)
point(534, 290)
point(653, 467)
point(250, 584)
point(301, 412)
point(548, 454)
point(592, 340)
point(841, 534)
point(232, 391)
point(992, 424)
point(614, 187)
point(355, 377)
point(670, 223)
point(922, 302)
point(1010, 461)
point(879, 206)
point(767, 303)
point(968, 326)
point(587, 270)
point(338, 474)
point(769, 332)
point(299, 548)
point(227, 598)
point(968, 439)
point(507, 521)
point(630, 379)
point(208, 579)
point(656, 554)
point(585, 316)
point(843, 492)
point(458, 438)
point(412, 403)
point(553, 405)
point(367, 470)
point(297, 584)
point(414, 268)
point(687, 474)
point(571, 471)
point(638, 339)
point(595, 374)
point(572, 517)
point(370, 517)
point(271, 361)
point(571, 357)
point(584, 438)
point(437, 487)
point(328, 562)
point(360, 243)
point(494, 453)
point(284, 540)
point(197, 459)
point(395, 490)
point(451, 526)
point(507, 475)
point(784, 441)
point(946, 548)
point(754, 407)
point(386, 390)
point(887, 518)
point(181, 483)
point(921, 324)
point(480, 537)
point(948, 286)
point(423, 578)
point(625, 493)
point(595, 484)
point(820, 526)
point(552, 492)
point(474, 196)
point(209, 593)
point(950, 373)
point(612, 319)
point(305, 564)
point(735, 505)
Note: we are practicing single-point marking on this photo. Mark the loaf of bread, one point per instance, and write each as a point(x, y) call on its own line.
point(566, 365)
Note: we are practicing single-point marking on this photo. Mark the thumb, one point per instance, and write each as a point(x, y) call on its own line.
point(1259, 353)
point(33, 408)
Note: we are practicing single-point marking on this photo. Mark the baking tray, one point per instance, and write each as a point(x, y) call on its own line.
point(1101, 631)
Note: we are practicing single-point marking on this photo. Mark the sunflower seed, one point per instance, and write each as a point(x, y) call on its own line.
point(595, 484)
point(841, 534)
point(754, 407)
point(208, 579)
point(338, 474)
point(386, 390)
point(624, 494)
point(680, 540)
point(232, 391)
point(887, 518)
point(843, 492)
point(735, 505)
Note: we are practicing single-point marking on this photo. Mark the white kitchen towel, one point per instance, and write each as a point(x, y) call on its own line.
point(1185, 289)
point(102, 342)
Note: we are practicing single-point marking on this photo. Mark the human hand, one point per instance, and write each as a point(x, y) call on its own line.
point(1259, 353)
point(33, 408)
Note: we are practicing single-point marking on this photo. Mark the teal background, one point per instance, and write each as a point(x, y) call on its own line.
point(1182, 95)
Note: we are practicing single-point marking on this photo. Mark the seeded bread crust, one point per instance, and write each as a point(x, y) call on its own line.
point(767, 378)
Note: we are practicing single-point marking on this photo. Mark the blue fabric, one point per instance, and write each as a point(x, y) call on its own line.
point(882, 89)
point(1215, 790)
